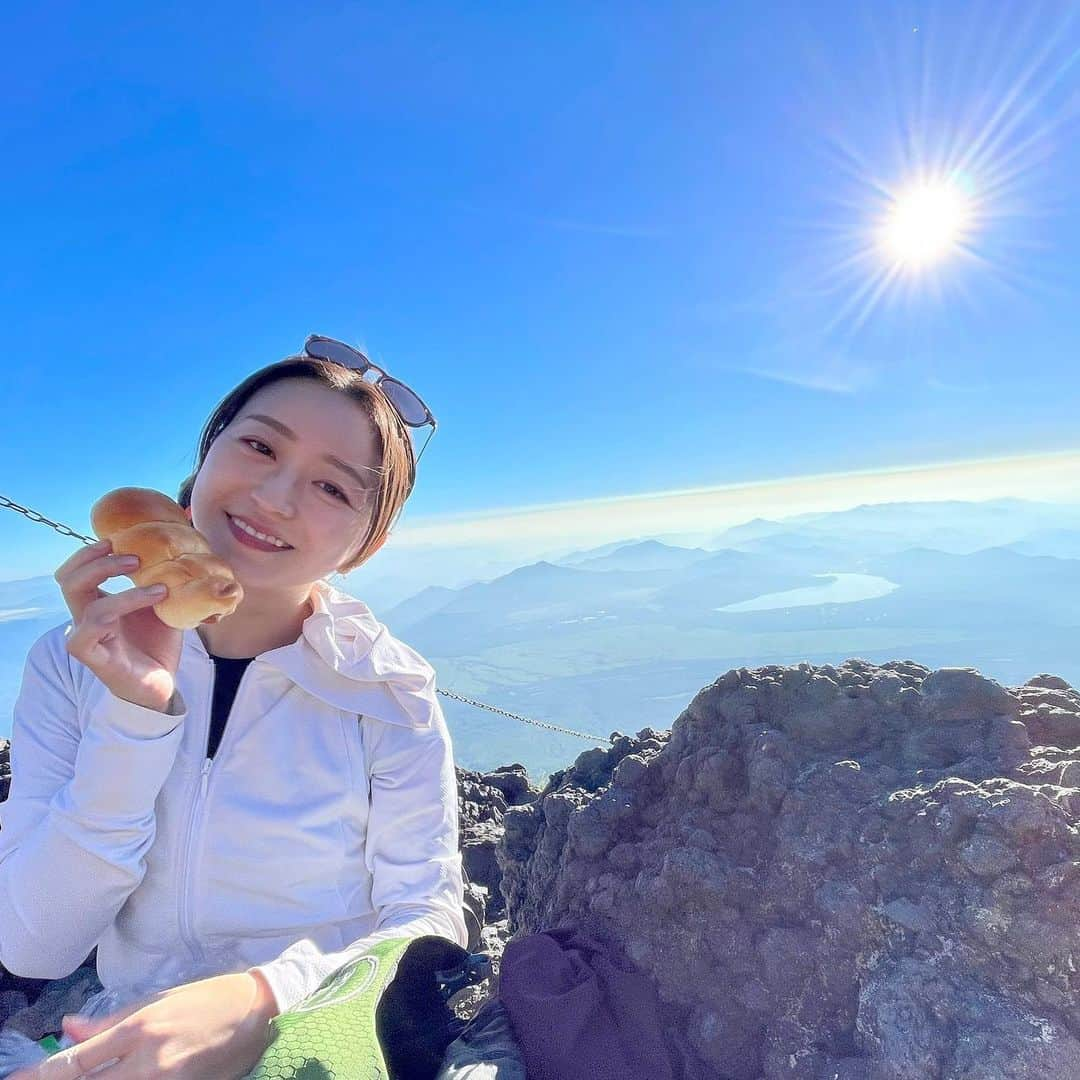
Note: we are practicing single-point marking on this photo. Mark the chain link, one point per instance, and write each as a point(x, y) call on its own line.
point(33, 515)
point(523, 719)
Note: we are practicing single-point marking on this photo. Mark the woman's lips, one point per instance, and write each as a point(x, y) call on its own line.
point(251, 541)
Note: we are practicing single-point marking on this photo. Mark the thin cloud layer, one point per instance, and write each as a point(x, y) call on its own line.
point(1051, 477)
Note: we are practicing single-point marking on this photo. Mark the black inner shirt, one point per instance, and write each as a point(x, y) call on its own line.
point(228, 671)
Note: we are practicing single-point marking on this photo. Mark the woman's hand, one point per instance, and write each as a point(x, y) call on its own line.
point(214, 1029)
point(118, 636)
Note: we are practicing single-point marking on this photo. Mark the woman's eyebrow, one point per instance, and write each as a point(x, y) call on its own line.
point(277, 425)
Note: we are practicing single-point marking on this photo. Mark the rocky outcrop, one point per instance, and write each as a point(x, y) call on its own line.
point(860, 871)
point(483, 799)
point(35, 1010)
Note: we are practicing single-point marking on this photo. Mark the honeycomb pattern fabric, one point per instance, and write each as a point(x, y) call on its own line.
point(331, 1034)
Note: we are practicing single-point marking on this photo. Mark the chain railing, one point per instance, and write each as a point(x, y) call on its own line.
point(523, 719)
point(33, 515)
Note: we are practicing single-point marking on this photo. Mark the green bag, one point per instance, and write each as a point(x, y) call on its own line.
point(361, 1024)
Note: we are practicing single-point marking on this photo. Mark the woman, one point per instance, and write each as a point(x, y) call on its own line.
point(244, 860)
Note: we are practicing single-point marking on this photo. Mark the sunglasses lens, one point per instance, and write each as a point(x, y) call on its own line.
point(338, 352)
point(410, 408)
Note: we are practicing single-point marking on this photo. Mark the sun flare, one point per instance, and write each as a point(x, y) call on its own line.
point(925, 223)
point(936, 187)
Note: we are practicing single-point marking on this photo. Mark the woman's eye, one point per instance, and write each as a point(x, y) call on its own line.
point(255, 443)
point(336, 492)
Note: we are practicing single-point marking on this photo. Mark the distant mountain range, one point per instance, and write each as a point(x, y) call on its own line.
point(623, 635)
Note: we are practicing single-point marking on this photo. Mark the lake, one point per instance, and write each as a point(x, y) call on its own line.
point(840, 589)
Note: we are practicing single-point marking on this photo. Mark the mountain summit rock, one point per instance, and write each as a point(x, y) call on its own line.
point(855, 871)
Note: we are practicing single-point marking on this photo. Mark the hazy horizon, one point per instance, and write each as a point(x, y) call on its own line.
point(623, 634)
point(523, 532)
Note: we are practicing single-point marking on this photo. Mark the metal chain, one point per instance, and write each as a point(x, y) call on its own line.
point(523, 719)
point(33, 515)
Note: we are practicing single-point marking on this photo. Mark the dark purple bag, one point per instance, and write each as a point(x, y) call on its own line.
point(580, 1010)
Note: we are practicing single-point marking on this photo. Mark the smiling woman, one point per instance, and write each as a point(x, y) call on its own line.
point(166, 776)
point(283, 506)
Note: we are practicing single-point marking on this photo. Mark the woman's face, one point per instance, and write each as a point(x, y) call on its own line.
point(273, 472)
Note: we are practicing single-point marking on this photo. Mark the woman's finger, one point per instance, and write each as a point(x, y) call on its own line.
point(126, 1068)
point(81, 585)
point(81, 557)
point(103, 615)
point(80, 1028)
point(109, 608)
point(107, 564)
point(86, 1057)
point(66, 1065)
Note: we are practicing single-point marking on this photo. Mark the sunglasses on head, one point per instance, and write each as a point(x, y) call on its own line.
point(407, 403)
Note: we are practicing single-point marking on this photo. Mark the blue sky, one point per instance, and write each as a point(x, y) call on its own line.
point(619, 248)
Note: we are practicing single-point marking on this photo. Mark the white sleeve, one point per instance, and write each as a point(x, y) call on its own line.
point(411, 849)
point(79, 816)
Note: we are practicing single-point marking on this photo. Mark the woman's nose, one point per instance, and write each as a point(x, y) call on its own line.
point(276, 494)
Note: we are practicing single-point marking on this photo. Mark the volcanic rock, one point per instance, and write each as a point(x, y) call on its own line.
point(483, 799)
point(863, 871)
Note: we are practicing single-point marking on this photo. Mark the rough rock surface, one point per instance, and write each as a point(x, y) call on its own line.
point(846, 872)
point(56, 999)
point(483, 799)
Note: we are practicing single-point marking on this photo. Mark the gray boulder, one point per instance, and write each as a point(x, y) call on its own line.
point(483, 799)
point(833, 872)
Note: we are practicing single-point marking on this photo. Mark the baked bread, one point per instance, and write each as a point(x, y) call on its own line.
point(140, 521)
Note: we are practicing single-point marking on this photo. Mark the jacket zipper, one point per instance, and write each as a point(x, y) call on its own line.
point(187, 931)
point(187, 899)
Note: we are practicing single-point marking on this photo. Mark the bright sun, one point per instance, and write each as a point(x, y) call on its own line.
point(925, 223)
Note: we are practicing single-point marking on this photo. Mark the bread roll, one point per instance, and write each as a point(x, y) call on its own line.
point(139, 521)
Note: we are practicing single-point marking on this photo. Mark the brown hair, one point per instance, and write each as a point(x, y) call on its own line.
point(397, 466)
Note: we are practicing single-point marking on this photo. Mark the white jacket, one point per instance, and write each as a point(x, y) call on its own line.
point(327, 819)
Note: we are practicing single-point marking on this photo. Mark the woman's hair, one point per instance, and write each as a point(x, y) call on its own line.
point(397, 466)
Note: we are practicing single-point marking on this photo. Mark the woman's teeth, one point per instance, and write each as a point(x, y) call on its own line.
point(240, 523)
